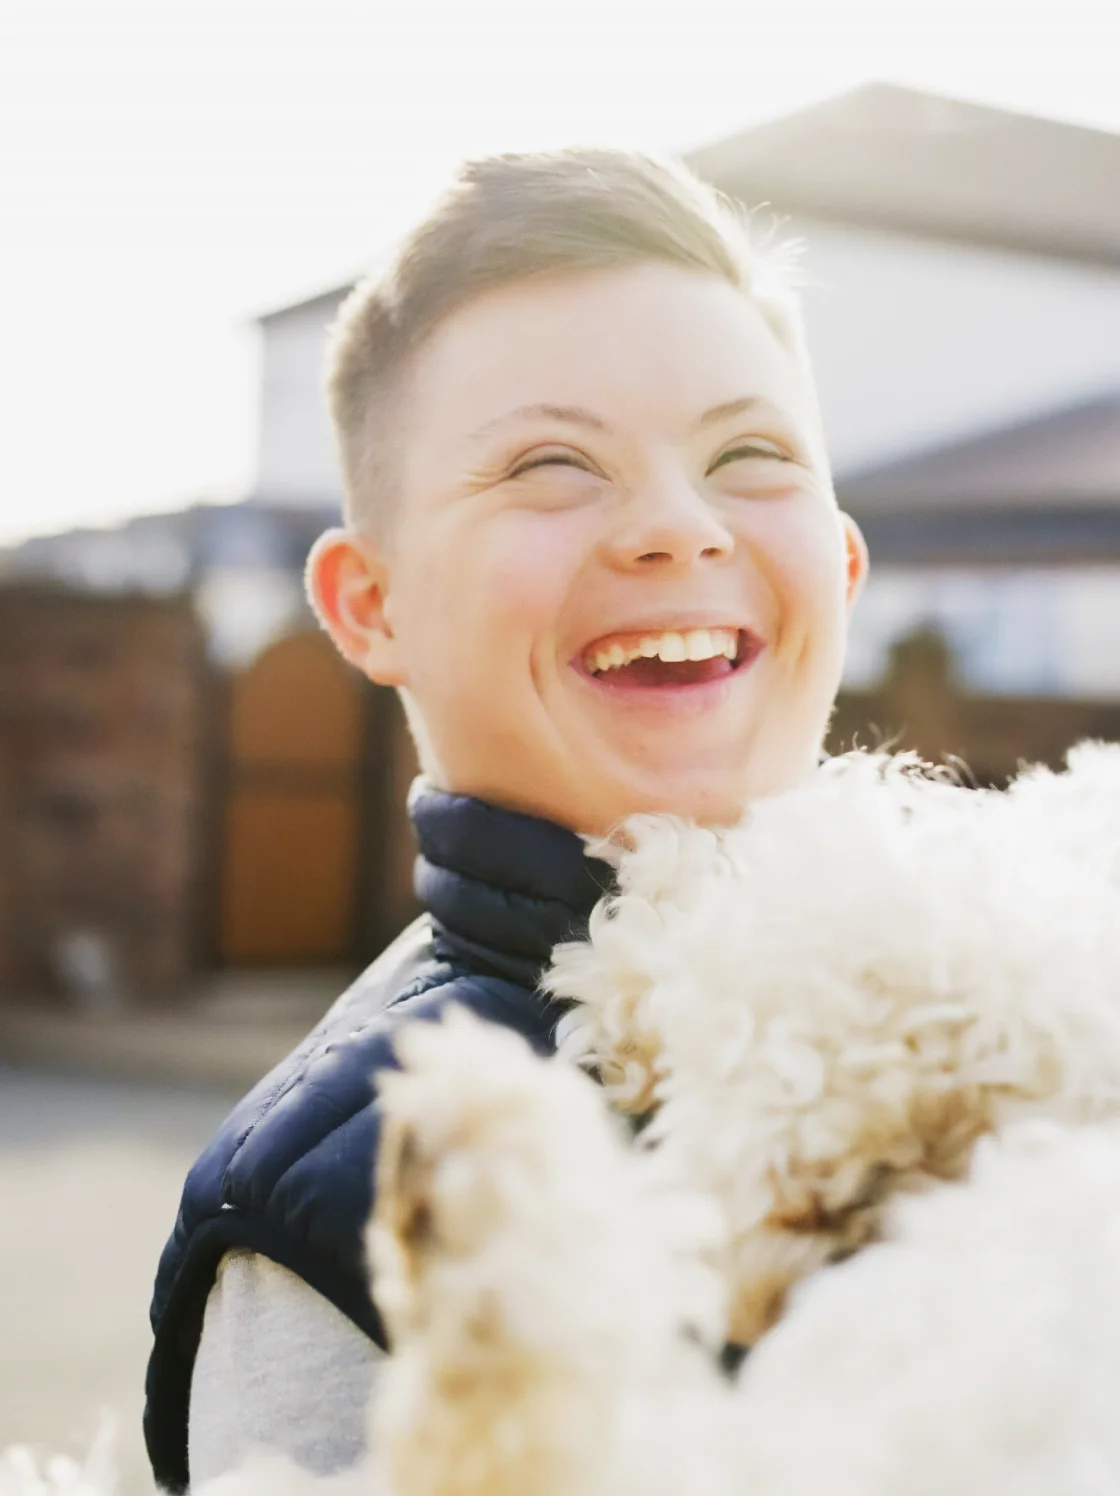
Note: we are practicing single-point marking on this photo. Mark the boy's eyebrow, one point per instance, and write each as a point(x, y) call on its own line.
point(578, 415)
point(743, 406)
point(572, 415)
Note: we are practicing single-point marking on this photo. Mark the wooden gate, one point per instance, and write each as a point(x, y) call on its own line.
point(291, 842)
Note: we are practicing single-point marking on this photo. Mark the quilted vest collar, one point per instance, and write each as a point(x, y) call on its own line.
point(502, 888)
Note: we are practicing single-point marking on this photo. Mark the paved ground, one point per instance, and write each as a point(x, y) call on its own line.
point(227, 1034)
point(90, 1172)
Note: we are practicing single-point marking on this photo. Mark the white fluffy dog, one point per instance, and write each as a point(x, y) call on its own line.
point(872, 1039)
point(883, 1014)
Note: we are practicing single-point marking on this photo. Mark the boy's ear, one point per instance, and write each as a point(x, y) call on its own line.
point(348, 586)
point(858, 560)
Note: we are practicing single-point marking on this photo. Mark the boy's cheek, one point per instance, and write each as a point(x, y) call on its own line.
point(526, 570)
point(807, 562)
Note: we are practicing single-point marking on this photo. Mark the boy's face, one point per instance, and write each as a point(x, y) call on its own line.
point(600, 473)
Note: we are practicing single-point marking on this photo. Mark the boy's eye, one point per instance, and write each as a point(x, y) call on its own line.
point(556, 458)
point(751, 450)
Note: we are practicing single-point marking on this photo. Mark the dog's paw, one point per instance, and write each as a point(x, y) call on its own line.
point(511, 1207)
point(481, 1163)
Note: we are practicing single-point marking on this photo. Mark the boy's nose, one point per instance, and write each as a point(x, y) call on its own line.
point(667, 524)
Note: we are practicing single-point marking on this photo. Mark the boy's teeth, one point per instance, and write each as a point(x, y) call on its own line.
point(671, 646)
point(699, 645)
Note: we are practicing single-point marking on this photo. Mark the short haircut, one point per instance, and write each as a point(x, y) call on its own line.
point(509, 218)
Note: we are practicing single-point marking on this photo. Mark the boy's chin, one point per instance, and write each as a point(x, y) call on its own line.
point(713, 801)
point(708, 799)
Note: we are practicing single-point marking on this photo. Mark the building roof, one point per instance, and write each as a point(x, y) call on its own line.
point(1040, 492)
point(327, 300)
point(1067, 457)
point(895, 158)
point(169, 552)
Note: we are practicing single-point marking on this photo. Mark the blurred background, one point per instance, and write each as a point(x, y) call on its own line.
point(201, 809)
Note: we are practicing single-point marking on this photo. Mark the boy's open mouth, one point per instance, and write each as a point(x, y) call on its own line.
point(691, 657)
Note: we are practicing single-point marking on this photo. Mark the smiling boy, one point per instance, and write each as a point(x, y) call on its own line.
point(592, 539)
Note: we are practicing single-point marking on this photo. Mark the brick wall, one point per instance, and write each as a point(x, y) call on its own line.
point(103, 721)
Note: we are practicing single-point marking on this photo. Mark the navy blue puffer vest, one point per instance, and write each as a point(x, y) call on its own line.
point(290, 1173)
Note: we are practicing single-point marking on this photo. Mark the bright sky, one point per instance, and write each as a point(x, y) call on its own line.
point(169, 168)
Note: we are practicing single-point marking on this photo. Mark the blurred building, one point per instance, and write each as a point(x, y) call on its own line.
point(241, 563)
point(962, 296)
point(962, 269)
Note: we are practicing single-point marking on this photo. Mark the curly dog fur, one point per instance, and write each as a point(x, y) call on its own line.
point(873, 1039)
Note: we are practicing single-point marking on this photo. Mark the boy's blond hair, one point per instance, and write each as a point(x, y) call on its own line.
point(508, 218)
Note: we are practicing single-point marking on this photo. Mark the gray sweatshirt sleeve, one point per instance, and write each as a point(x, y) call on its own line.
point(279, 1366)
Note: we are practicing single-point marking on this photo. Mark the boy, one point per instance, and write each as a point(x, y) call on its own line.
point(592, 540)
